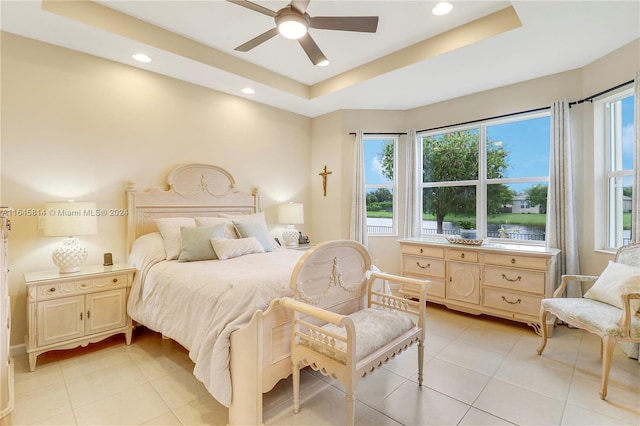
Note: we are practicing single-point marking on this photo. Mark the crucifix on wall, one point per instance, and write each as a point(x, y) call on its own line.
point(324, 175)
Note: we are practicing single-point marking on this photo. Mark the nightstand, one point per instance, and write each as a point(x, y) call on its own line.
point(65, 311)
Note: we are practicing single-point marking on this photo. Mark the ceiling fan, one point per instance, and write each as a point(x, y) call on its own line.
point(293, 21)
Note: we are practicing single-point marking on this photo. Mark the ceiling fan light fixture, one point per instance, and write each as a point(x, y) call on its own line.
point(292, 28)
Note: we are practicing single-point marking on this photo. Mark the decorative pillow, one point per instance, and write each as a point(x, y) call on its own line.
point(616, 280)
point(258, 218)
point(169, 228)
point(229, 231)
point(246, 230)
point(196, 242)
point(228, 249)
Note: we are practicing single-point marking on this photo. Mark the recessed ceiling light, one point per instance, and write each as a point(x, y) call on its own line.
point(442, 8)
point(248, 91)
point(323, 63)
point(141, 57)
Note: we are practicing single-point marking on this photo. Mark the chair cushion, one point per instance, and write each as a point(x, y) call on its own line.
point(599, 316)
point(374, 329)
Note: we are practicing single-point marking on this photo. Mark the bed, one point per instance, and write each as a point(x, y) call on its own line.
point(234, 328)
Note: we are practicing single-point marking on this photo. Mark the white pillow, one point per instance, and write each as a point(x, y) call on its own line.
point(228, 249)
point(146, 249)
point(616, 280)
point(229, 230)
point(169, 228)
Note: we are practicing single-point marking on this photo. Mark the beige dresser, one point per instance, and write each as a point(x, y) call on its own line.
point(502, 280)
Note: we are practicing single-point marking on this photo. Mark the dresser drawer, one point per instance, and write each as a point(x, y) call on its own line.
point(79, 286)
point(515, 261)
point(519, 303)
point(514, 279)
point(436, 288)
point(110, 282)
point(465, 255)
point(423, 251)
point(423, 266)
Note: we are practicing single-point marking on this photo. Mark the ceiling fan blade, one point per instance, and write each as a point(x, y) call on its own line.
point(300, 5)
point(365, 24)
point(311, 49)
point(254, 7)
point(257, 40)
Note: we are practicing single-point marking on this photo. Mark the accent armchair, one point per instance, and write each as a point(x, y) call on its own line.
point(609, 308)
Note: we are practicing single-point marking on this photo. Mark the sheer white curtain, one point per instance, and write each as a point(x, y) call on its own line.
point(635, 198)
point(358, 228)
point(561, 211)
point(412, 214)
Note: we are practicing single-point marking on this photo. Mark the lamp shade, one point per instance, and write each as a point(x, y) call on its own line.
point(67, 219)
point(291, 213)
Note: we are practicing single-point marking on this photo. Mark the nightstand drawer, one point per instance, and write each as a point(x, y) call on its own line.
point(79, 286)
point(110, 282)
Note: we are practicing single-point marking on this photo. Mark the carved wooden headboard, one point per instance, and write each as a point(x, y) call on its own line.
point(191, 190)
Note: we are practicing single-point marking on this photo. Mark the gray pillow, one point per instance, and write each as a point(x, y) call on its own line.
point(196, 242)
point(247, 229)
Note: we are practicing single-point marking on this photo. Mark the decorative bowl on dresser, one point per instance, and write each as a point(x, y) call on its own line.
point(499, 279)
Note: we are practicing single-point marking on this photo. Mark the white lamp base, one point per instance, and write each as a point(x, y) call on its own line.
point(70, 256)
point(290, 236)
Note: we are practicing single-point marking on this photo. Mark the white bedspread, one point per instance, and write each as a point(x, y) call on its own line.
point(199, 304)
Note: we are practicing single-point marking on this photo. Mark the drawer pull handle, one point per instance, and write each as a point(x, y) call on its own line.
point(504, 277)
point(461, 255)
point(80, 316)
point(421, 250)
point(88, 314)
point(84, 286)
point(513, 260)
point(504, 299)
point(428, 265)
point(115, 280)
point(51, 290)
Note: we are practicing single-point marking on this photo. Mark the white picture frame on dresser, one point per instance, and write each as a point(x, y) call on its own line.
point(65, 311)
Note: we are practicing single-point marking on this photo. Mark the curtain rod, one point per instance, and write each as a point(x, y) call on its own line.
point(587, 99)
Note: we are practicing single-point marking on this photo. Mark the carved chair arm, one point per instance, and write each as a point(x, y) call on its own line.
point(559, 292)
point(625, 320)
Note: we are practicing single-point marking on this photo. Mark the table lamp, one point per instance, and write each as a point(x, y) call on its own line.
point(290, 214)
point(70, 219)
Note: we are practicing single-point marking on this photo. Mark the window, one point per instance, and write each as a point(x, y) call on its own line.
point(618, 167)
point(494, 175)
point(380, 184)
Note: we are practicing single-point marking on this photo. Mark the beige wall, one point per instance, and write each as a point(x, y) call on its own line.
point(76, 126)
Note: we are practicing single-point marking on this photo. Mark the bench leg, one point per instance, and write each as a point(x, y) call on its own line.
point(420, 362)
point(351, 405)
point(295, 375)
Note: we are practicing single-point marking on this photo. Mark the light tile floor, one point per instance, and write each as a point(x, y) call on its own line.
point(478, 371)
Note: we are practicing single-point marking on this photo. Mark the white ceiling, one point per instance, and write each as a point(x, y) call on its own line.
point(554, 36)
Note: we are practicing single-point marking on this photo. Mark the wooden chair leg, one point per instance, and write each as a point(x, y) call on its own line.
point(543, 329)
point(351, 405)
point(608, 346)
point(295, 374)
point(420, 362)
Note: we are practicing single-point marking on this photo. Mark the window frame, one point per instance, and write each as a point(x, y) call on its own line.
point(393, 186)
point(608, 230)
point(482, 182)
